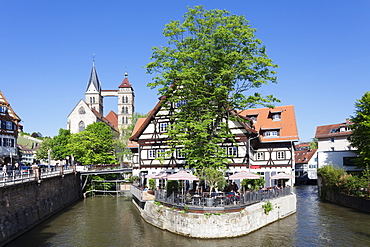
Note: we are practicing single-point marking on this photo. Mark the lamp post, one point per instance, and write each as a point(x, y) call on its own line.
point(67, 158)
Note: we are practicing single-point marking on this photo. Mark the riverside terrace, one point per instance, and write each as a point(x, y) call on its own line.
point(215, 202)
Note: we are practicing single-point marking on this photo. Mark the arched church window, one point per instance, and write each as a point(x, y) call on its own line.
point(81, 110)
point(123, 120)
point(126, 109)
point(93, 100)
point(123, 99)
point(81, 126)
point(123, 109)
point(126, 120)
point(126, 99)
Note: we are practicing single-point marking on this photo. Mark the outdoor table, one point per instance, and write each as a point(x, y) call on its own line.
point(197, 200)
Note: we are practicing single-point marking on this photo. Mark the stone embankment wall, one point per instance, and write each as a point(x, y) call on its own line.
point(24, 205)
point(358, 203)
point(224, 225)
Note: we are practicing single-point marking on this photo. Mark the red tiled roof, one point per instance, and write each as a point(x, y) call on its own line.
point(332, 130)
point(125, 83)
point(103, 119)
point(304, 156)
point(112, 117)
point(287, 125)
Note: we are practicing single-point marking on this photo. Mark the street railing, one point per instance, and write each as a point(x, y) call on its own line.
point(198, 201)
point(11, 177)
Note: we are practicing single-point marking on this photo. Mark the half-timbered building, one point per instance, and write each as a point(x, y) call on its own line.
point(263, 144)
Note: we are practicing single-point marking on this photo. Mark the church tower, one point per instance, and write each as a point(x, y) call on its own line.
point(125, 104)
point(93, 95)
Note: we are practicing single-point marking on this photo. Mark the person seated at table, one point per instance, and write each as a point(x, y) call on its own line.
point(215, 193)
point(188, 196)
point(231, 196)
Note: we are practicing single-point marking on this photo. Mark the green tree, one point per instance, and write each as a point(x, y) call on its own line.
point(359, 139)
point(60, 148)
point(46, 145)
point(94, 145)
point(314, 144)
point(212, 177)
point(331, 175)
point(212, 59)
point(253, 184)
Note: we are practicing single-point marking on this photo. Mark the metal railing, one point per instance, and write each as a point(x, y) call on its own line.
point(11, 177)
point(178, 199)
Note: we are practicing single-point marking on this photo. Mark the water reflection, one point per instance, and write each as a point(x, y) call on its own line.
point(113, 221)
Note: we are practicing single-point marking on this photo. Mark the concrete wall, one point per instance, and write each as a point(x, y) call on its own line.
point(218, 226)
point(24, 205)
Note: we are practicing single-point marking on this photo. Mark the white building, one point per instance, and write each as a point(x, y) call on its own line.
point(9, 122)
point(91, 110)
point(264, 146)
point(333, 146)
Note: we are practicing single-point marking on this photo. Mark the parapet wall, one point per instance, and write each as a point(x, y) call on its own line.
point(24, 205)
point(225, 225)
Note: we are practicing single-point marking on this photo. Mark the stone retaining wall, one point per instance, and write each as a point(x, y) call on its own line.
point(224, 225)
point(24, 205)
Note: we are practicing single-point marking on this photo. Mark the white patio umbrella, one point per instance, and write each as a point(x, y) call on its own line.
point(182, 175)
point(282, 175)
point(244, 175)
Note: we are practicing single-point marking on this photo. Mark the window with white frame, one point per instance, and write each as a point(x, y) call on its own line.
point(280, 155)
point(232, 151)
point(180, 153)
point(152, 154)
point(276, 116)
point(272, 133)
point(260, 156)
point(160, 152)
point(180, 103)
point(9, 125)
point(3, 109)
point(163, 127)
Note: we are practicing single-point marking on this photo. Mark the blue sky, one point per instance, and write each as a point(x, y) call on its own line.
point(46, 47)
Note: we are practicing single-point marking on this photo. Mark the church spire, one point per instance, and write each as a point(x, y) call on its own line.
point(93, 84)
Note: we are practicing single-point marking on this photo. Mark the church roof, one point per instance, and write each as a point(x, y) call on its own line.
point(103, 119)
point(94, 80)
point(112, 117)
point(125, 82)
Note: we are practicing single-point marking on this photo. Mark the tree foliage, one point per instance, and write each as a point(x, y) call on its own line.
point(361, 130)
point(253, 184)
point(46, 145)
point(60, 149)
point(212, 59)
point(212, 177)
point(94, 145)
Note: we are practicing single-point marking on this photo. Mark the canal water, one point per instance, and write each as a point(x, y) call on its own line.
point(114, 221)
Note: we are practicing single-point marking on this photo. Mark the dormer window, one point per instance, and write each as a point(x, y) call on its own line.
point(272, 133)
point(276, 117)
point(253, 117)
point(3, 109)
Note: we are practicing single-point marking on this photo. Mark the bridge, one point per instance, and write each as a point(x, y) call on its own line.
point(12, 177)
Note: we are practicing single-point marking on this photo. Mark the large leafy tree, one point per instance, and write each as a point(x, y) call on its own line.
point(46, 145)
point(94, 145)
point(361, 130)
point(60, 149)
point(212, 59)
